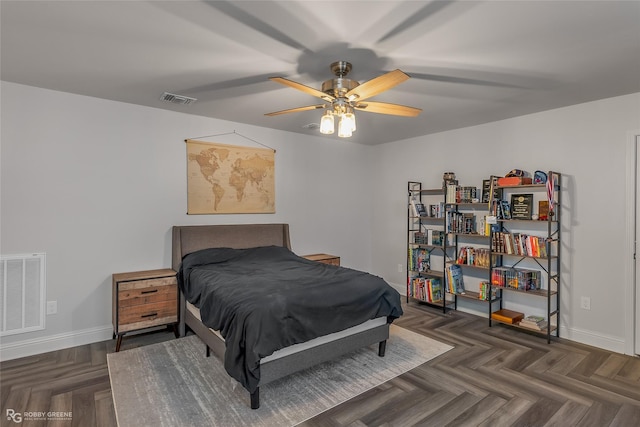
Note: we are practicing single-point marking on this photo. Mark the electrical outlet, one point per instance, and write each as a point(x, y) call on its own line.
point(52, 307)
point(585, 303)
point(399, 268)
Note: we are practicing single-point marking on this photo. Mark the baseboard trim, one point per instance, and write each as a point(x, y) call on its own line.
point(54, 342)
point(615, 344)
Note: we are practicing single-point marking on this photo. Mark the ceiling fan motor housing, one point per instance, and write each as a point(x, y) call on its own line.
point(339, 86)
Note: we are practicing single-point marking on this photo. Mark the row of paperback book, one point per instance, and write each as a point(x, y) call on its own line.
point(516, 278)
point(519, 244)
point(429, 237)
point(461, 222)
point(426, 289)
point(501, 209)
point(461, 194)
point(487, 292)
point(418, 209)
point(468, 255)
point(437, 210)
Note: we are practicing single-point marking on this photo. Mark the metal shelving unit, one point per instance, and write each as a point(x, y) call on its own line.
point(550, 264)
point(447, 252)
point(420, 224)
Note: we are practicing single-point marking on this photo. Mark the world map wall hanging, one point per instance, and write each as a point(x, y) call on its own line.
point(229, 179)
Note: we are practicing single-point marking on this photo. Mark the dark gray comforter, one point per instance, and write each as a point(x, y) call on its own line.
point(267, 298)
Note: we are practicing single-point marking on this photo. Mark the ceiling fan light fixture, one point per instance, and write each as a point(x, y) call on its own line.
point(344, 128)
point(326, 123)
point(350, 118)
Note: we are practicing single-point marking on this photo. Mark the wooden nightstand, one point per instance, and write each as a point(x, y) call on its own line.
point(323, 258)
point(143, 299)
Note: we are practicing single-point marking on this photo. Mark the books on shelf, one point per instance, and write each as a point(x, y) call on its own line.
point(537, 323)
point(469, 255)
point(461, 222)
point(429, 237)
point(483, 291)
point(437, 237)
point(455, 280)
point(419, 260)
point(490, 191)
point(501, 209)
point(426, 289)
point(437, 210)
point(462, 194)
point(507, 316)
point(519, 244)
point(522, 279)
point(418, 208)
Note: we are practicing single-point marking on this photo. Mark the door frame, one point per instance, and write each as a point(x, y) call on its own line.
point(630, 309)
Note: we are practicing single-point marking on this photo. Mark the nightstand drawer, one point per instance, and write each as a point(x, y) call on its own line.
point(147, 315)
point(147, 283)
point(146, 295)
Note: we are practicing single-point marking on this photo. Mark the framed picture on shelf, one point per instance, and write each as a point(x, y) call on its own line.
point(521, 206)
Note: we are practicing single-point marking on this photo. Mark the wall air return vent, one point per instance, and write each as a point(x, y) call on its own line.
point(177, 99)
point(22, 293)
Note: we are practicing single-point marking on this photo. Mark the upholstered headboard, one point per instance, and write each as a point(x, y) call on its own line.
point(190, 238)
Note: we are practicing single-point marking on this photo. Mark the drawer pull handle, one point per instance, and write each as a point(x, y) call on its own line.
point(149, 292)
point(149, 315)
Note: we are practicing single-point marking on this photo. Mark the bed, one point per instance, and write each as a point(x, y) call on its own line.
point(200, 254)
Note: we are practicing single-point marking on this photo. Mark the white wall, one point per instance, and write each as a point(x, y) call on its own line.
point(586, 143)
point(97, 186)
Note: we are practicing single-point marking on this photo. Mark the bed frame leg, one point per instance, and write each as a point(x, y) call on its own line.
point(208, 351)
point(382, 346)
point(255, 399)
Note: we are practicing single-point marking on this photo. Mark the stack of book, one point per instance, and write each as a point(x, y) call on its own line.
point(537, 323)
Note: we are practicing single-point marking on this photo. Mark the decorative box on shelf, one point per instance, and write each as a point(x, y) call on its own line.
point(513, 180)
point(507, 316)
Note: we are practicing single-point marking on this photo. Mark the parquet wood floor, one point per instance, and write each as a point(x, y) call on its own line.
point(493, 377)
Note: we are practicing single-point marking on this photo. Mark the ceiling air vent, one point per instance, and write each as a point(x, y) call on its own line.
point(177, 99)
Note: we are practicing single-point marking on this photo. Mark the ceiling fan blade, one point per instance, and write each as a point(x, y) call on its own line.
point(386, 108)
point(376, 85)
point(295, 110)
point(306, 89)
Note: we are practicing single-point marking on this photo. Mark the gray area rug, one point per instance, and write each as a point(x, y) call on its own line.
point(174, 384)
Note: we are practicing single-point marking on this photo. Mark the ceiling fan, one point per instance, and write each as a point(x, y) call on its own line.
point(343, 96)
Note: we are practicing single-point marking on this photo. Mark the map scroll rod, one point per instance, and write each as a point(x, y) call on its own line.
point(231, 133)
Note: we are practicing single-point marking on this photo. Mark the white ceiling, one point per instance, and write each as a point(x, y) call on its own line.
point(471, 62)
